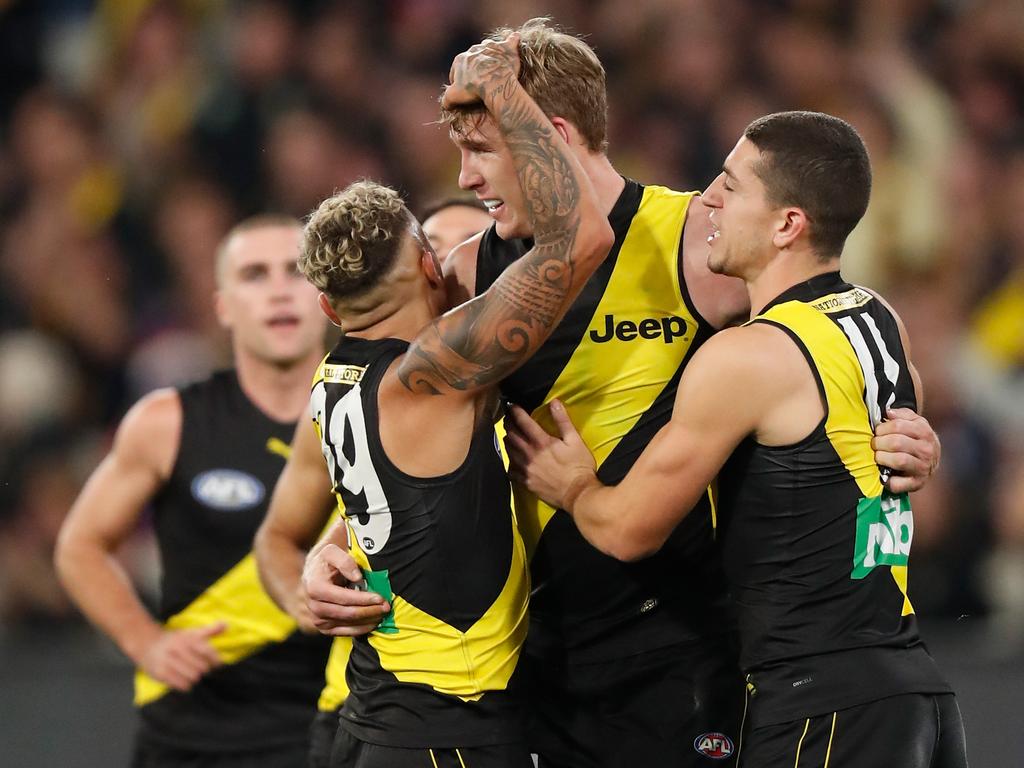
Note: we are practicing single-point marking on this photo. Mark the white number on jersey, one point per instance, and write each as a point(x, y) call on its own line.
point(358, 476)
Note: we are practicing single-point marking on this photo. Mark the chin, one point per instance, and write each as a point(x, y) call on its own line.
point(510, 230)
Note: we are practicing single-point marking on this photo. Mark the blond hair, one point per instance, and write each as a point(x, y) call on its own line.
point(561, 73)
point(352, 239)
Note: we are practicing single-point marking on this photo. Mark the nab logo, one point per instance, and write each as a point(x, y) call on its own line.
point(668, 329)
point(227, 489)
point(715, 745)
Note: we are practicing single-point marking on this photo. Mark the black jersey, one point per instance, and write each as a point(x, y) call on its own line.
point(445, 552)
point(206, 515)
point(615, 361)
point(814, 548)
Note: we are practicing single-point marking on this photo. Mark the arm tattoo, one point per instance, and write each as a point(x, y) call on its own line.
point(484, 340)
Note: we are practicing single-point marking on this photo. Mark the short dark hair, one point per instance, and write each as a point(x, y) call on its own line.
point(818, 163)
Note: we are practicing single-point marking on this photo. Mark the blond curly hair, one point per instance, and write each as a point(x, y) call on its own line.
point(352, 239)
point(562, 74)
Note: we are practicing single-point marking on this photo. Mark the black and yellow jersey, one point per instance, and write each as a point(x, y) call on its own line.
point(446, 553)
point(615, 361)
point(205, 517)
point(814, 547)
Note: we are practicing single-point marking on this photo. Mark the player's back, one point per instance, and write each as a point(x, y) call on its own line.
point(445, 552)
point(815, 549)
point(615, 361)
point(205, 517)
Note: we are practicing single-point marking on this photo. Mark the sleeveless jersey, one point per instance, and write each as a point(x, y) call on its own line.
point(446, 554)
point(205, 517)
point(615, 361)
point(814, 548)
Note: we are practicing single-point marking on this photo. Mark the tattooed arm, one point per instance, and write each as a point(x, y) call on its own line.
point(483, 341)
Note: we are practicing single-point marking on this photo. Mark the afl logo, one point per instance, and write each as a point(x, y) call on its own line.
point(228, 490)
point(715, 745)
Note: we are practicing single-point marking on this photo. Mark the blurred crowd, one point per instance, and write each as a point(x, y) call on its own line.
point(133, 133)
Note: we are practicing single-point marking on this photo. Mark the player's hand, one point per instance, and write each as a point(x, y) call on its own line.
point(906, 444)
point(336, 606)
point(554, 468)
point(299, 610)
point(486, 69)
point(180, 657)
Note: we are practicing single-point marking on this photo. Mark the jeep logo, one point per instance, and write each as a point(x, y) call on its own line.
point(668, 329)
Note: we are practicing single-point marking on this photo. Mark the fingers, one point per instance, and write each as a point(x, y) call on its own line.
point(905, 484)
point(531, 432)
point(345, 620)
point(342, 562)
point(211, 629)
point(565, 426)
point(903, 463)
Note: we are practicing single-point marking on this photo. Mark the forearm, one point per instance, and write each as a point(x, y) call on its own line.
point(279, 561)
point(100, 587)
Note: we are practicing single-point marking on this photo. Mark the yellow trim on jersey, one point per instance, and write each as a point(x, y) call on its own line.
point(336, 686)
point(237, 598)
point(279, 447)
point(838, 302)
point(848, 424)
point(465, 664)
point(336, 690)
point(607, 387)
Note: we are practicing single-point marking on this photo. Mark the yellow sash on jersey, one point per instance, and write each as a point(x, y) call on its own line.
point(607, 387)
point(237, 598)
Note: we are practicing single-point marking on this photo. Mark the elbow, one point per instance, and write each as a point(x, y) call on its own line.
point(65, 558)
point(625, 545)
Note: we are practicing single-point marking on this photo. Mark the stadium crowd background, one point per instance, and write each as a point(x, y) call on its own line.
point(133, 134)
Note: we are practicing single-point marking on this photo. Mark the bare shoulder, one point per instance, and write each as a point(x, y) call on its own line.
point(721, 300)
point(150, 432)
point(460, 270)
point(758, 356)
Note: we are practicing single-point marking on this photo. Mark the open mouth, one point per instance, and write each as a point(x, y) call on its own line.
point(284, 321)
point(493, 205)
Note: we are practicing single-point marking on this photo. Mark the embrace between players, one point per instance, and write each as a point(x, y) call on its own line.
point(641, 571)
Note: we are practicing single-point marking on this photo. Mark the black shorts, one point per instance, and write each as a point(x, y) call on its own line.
point(673, 707)
point(149, 755)
point(321, 738)
point(350, 752)
point(913, 730)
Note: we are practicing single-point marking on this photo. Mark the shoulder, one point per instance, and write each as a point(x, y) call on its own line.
point(721, 300)
point(758, 357)
point(150, 432)
point(889, 308)
point(460, 270)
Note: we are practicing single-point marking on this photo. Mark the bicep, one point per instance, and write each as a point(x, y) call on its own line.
point(712, 413)
point(111, 503)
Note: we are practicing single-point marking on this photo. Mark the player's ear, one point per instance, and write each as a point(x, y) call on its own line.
point(327, 309)
point(790, 225)
point(432, 267)
point(569, 132)
point(222, 310)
